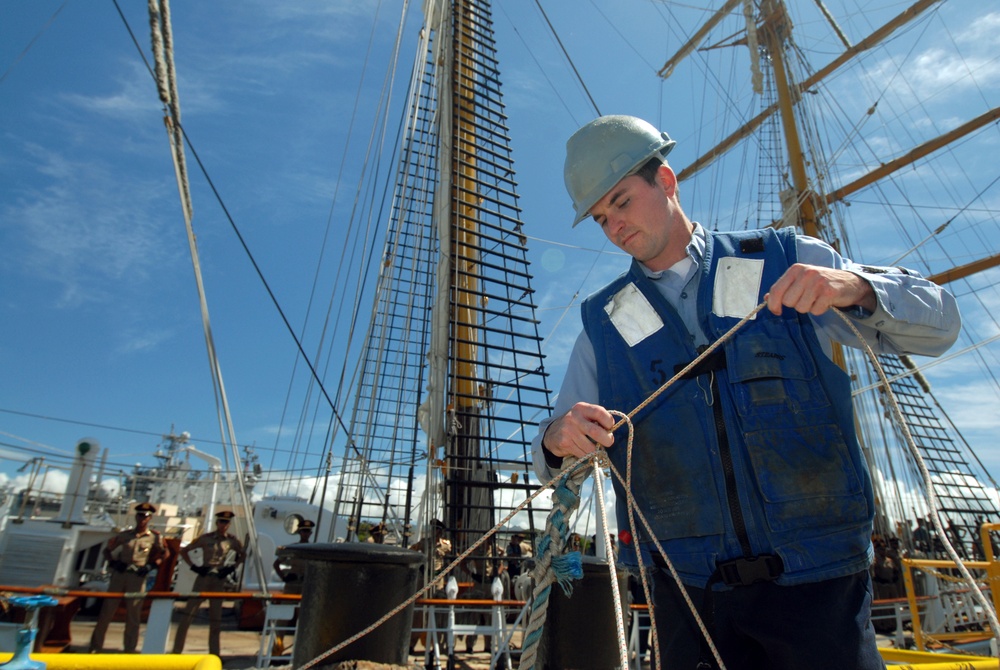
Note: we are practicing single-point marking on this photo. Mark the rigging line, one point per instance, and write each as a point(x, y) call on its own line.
point(326, 234)
point(263, 279)
point(166, 82)
point(576, 247)
point(232, 223)
point(932, 498)
point(616, 596)
point(37, 444)
point(568, 59)
point(948, 222)
point(83, 423)
point(628, 42)
point(968, 447)
point(931, 364)
point(541, 68)
point(833, 23)
point(377, 136)
point(970, 72)
point(375, 139)
point(31, 42)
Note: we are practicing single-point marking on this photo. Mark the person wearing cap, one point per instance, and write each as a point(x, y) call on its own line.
point(517, 550)
point(131, 555)
point(747, 468)
point(377, 533)
point(438, 549)
point(292, 570)
point(217, 550)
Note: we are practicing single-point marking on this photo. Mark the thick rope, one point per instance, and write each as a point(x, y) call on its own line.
point(616, 596)
point(552, 565)
point(542, 574)
point(932, 501)
point(908, 439)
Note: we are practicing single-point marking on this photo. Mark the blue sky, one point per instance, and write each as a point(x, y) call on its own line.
point(97, 297)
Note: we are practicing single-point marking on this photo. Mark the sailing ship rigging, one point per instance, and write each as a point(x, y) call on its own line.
point(459, 254)
point(808, 192)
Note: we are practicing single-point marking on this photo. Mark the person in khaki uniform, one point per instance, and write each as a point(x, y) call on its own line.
point(441, 550)
point(131, 555)
point(212, 574)
point(293, 570)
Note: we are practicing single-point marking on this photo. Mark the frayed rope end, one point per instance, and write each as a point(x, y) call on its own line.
point(566, 568)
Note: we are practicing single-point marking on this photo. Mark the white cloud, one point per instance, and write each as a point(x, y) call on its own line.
point(83, 228)
point(982, 32)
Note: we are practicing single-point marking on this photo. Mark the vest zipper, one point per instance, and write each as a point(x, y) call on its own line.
point(725, 454)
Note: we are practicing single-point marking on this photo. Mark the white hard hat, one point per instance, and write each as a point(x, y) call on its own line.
point(605, 151)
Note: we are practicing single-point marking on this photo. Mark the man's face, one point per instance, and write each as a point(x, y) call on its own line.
point(142, 518)
point(641, 219)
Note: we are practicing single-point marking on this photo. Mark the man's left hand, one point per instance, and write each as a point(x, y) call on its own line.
point(811, 289)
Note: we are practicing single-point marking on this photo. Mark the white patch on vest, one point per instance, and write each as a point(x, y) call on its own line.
point(633, 316)
point(737, 285)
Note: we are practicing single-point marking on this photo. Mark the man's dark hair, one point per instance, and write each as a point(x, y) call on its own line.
point(649, 169)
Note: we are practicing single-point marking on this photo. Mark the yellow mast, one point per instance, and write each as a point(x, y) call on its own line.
point(750, 126)
point(773, 34)
point(465, 321)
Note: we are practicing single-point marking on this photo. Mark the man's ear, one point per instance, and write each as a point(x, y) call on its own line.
point(667, 179)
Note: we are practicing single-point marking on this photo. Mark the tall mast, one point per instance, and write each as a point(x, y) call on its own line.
point(452, 381)
point(469, 497)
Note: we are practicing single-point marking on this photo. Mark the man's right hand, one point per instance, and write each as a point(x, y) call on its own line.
point(578, 432)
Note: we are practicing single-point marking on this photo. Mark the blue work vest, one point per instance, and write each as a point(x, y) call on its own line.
point(785, 476)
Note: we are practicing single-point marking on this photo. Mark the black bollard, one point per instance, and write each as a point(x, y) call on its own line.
point(349, 586)
point(580, 631)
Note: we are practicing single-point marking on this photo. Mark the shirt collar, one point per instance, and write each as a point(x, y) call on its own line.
point(684, 267)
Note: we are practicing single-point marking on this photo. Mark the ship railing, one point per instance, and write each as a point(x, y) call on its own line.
point(160, 611)
point(951, 615)
point(639, 631)
point(446, 620)
point(437, 622)
point(897, 611)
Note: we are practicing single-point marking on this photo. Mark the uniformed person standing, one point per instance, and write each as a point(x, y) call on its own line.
point(440, 550)
point(216, 548)
point(131, 555)
point(293, 570)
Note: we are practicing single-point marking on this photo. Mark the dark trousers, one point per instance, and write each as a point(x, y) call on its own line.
point(824, 626)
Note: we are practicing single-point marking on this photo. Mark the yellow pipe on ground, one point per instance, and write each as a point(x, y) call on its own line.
point(124, 661)
point(905, 659)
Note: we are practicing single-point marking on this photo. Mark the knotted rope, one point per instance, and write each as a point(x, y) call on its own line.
point(552, 565)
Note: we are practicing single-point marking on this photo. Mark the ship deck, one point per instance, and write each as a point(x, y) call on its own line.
point(239, 648)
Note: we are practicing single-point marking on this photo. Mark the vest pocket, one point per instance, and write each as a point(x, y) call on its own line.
point(807, 477)
point(673, 478)
point(771, 371)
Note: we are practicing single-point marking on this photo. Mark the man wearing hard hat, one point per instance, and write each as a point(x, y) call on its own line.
point(747, 468)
